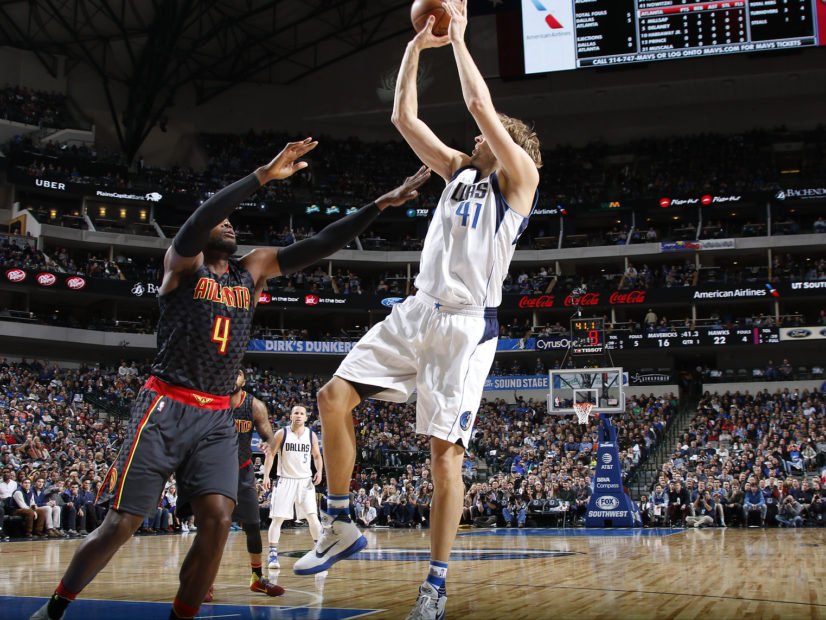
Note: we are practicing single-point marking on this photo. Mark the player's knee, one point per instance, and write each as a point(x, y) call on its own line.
point(119, 525)
point(214, 523)
point(446, 460)
point(447, 477)
point(334, 395)
point(445, 473)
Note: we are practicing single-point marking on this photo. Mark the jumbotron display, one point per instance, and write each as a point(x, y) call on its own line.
point(559, 35)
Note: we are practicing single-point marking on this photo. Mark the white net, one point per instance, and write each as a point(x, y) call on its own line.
point(582, 410)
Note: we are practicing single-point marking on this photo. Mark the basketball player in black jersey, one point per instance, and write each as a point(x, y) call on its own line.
point(249, 413)
point(181, 421)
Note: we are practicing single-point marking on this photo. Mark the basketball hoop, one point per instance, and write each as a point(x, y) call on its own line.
point(583, 410)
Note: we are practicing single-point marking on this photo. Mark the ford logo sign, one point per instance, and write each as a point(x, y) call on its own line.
point(823, 332)
point(389, 302)
point(799, 333)
point(608, 502)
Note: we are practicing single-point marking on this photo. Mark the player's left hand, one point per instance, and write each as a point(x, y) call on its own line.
point(265, 448)
point(317, 478)
point(457, 9)
point(286, 163)
point(406, 191)
point(425, 38)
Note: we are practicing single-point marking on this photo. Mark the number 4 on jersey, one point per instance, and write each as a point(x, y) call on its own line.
point(463, 211)
point(220, 333)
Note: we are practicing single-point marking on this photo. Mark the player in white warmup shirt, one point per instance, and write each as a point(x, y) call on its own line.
point(442, 341)
point(295, 446)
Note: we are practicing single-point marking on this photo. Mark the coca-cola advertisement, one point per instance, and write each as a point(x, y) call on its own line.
point(619, 298)
point(585, 299)
point(588, 299)
point(543, 301)
point(677, 295)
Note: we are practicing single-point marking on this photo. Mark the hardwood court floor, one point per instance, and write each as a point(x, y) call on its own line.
point(513, 574)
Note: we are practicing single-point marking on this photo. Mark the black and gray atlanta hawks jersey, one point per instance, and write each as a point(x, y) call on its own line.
point(244, 425)
point(470, 242)
point(204, 329)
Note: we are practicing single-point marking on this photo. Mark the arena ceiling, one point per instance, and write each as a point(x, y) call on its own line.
point(154, 47)
point(216, 43)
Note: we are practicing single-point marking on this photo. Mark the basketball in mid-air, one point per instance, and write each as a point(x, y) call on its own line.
point(422, 9)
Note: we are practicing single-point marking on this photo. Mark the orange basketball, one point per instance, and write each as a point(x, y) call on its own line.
point(422, 9)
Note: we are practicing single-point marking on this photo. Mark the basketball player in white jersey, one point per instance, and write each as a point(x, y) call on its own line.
point(442, 341)
point(295, 445)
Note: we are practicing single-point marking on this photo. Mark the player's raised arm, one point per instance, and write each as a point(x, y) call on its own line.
point(433, 153)
point(185, 255)
point(520, 176)
point(265, 263)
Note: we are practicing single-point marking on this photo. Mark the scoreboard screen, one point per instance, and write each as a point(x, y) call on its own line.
point(587, 336)
point(559, 35)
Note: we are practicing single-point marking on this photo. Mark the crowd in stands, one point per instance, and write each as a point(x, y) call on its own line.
point(17, 251)
point(347, 172)
point(522, 280)
point(521, 464)
point(350, 170)
point(58, 438)
point(90, 264)
point(746, 459)
point(69, 163)
point(34, 107)
point(21, 252)
point(743, 453)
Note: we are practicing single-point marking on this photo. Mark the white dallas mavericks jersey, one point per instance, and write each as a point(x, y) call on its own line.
point(470, 242)
point(295, 455)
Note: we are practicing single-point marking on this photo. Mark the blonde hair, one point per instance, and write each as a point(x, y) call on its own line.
point(524, 136)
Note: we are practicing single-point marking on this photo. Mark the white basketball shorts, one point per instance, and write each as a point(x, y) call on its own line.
point(442, 351)
point(293, 492)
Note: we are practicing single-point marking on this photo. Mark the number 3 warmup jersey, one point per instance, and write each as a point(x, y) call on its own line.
point(204, 329)
point(470, 242)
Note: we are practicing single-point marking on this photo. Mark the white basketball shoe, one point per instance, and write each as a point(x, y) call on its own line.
point(272, 559)
point(430, 605)
point(340, 538)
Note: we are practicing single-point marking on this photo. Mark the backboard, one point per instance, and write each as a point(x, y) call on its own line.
point(603, 387)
